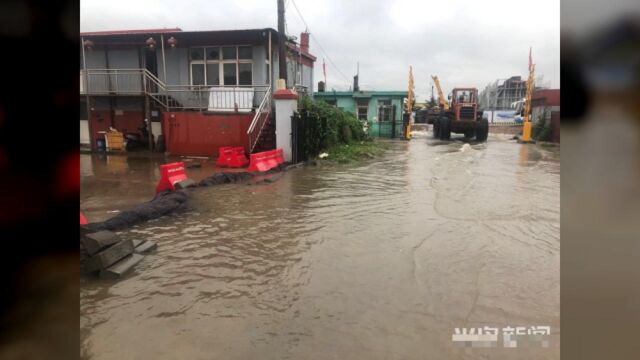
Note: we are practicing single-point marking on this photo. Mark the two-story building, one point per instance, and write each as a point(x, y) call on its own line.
point(199, 89)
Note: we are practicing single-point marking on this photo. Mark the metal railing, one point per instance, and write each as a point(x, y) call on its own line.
point(506, 123)
point(236, 98)
point(113, 81)
point(259, 120)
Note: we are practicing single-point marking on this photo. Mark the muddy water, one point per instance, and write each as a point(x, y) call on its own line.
point(375, 260)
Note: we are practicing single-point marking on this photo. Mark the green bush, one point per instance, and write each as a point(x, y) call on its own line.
point(327, 125)
point(545, 134)
point(541, 131)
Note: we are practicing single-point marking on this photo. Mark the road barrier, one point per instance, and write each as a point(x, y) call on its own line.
point(83, 220)
point(172, 176)
point(266, 160)
point(231, 156)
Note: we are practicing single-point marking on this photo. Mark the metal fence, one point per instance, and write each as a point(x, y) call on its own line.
point(510, 123)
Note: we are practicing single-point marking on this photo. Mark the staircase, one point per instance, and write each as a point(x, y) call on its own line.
point(267, 139)
point(261, 131)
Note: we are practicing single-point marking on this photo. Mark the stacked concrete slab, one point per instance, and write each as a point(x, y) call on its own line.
point(103, 252)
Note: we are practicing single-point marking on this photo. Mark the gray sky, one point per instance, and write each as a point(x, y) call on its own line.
point(464, 42)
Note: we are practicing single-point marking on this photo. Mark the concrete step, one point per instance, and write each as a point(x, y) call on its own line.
point(121, 267)
point(97, 241)
point(110, 256)
point(145, 247)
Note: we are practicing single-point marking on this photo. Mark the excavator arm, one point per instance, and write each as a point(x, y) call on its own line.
point(441, 98)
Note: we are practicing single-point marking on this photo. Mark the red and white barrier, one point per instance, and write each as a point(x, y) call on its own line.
point(229, 156)
point(265, 160)
point(170, 175)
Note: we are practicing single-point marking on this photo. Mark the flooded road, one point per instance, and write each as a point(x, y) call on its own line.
point(374, 260)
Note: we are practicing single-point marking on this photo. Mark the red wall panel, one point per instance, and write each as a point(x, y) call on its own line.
point(129, 121)
point(198, 134)
point(551, 97)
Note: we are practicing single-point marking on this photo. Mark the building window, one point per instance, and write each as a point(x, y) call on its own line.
point(230, 73)
point(384, 110)
point(363, 108)
point(332, 102)
point(221, 65)
point(244, 73)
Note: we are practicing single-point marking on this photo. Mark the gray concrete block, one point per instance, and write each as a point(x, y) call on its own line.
point(121, 267)
point(84, 231)
point(97, 241)
point(137, 243)
point(145, 247)
point(110, 256)
point(185, 184)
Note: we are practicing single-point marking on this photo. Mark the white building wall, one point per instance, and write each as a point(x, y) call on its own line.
point(84, 132)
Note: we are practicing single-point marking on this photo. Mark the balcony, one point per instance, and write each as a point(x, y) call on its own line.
point(139, 82)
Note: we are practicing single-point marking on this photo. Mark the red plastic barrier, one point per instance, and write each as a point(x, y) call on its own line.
point(266, 160)
point(83, 221)
point(170, 174)
point(229, 156)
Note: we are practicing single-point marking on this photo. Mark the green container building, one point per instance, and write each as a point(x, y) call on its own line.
point(382, 110)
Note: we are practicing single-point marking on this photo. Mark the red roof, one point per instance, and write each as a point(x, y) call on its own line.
point(297, 49)
point(130, 32)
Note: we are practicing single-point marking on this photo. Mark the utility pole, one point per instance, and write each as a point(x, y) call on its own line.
point(86, 93)
point(282, 57)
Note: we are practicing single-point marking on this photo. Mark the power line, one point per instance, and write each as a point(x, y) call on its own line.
point(330, 60)
point(318, 42)
point(299, 13)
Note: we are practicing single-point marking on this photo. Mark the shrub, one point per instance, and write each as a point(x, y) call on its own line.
point(326, 126)
point(542, 129)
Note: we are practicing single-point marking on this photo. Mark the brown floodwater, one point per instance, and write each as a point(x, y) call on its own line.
point(379, 259)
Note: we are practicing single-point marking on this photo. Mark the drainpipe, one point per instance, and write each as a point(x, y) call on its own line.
point(86, 94)
point(147, 115)
point(270, 65)
point(164, 62)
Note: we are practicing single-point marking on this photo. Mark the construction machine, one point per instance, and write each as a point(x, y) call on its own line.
point(443, 102)
point(434, 112)
point(526, 126)
point(461, 116)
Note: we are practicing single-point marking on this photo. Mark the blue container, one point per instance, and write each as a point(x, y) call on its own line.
point(101, 145)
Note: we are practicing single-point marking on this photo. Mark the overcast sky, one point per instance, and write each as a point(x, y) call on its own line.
point(464, 42)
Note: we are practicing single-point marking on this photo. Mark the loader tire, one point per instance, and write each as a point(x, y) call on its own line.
point(445, 128)
point(482, 130)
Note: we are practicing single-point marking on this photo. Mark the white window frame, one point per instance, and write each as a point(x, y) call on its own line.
point(366, 107)
point(381, 105)
point(220, 62)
